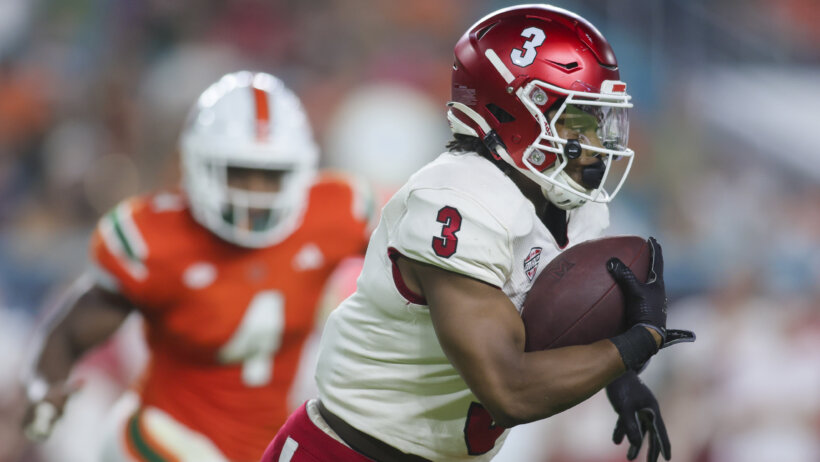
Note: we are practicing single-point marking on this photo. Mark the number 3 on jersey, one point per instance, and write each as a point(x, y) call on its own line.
point(257, 338)
point(445, 245)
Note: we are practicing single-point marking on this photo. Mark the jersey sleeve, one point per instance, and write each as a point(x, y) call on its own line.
point(119, 254)
point(452, 231)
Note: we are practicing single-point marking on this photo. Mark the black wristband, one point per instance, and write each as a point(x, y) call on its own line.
point(636, 346)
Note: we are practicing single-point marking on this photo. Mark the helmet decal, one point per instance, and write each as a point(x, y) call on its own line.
point(535, 39)
point(260, 97)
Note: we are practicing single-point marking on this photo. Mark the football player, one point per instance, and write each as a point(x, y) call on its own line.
point(426, 360)
point(226, 273)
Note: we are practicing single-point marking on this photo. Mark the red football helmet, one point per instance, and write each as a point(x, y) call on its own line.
point(521, 69)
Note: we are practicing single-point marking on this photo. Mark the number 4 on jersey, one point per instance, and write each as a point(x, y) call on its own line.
point(257, 338)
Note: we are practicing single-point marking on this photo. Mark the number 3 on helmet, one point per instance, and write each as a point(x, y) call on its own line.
point(517, 72)
point(248, 121)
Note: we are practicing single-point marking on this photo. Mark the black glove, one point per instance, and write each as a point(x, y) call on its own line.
point(638, 413)
point(645, 302)
point(645, 307)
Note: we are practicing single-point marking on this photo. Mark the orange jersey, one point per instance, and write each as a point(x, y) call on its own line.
point(225, 325)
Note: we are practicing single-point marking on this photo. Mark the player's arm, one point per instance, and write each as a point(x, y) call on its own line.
point(483, 336)
point(479, 328)
point(86, 316)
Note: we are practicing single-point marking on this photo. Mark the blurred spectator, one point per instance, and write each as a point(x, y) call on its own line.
point(755, 399)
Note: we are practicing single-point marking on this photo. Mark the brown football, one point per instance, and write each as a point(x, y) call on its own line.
point(575, 301)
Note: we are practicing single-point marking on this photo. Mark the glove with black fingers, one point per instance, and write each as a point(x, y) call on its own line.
point(638, 414)
point(645, 308)
point(645, 302)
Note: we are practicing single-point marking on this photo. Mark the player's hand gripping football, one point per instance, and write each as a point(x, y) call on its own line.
point(646, 302)
point(638, 415)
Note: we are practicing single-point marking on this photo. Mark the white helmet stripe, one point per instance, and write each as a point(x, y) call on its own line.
point(499, 65)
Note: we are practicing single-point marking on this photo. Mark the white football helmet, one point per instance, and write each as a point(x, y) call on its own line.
point(247, 120)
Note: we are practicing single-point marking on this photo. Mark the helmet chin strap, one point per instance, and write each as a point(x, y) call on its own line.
point(560, 197)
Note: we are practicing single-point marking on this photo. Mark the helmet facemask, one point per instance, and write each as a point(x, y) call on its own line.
point(255, 210)
point(251, 217)
point(599, 124)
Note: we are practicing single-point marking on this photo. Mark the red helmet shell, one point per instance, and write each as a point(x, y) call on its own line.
point(573, 55)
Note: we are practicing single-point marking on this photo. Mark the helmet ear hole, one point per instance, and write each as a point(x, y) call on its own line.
point(500, 115)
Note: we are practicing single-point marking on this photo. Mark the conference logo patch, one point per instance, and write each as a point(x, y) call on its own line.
point(531, 262)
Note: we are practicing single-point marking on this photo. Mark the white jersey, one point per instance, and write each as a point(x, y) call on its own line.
point(381, 368)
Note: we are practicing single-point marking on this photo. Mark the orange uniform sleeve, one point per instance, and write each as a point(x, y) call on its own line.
point(346, 207)
point(121, 255)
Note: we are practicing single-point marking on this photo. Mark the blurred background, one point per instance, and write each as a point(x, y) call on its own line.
point(726, 92)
